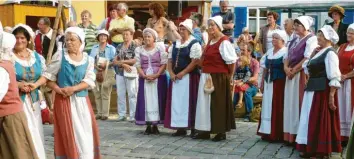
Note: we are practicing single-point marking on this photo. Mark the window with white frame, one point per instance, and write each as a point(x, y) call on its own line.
point(256, 19)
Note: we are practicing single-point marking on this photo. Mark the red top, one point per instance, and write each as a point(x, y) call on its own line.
point(107, 28)
point(212, 60)
point(346, 59)
point(11, 103)
point(38, 43)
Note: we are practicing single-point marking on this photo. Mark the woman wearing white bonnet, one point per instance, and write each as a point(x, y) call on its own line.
point(70, 74)
point(151, 60)
point(319, 130)
point(271, 122)
point(300, 49)
point(214, 91)
point(184, 55)
point(16, 141)
point(29, 66)
point(346, 92)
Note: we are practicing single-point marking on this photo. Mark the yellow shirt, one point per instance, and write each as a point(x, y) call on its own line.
point(121, 23)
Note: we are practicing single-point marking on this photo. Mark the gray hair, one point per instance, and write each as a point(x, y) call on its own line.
point(71, 24)
point(123, 6)
point(289, 20)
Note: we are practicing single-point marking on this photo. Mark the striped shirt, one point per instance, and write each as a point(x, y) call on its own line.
point(90, 36)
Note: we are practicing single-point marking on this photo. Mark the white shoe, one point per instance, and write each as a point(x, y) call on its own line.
point(122, 118)
point(131, 119)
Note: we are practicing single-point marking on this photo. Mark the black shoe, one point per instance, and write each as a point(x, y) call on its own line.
point(219, 137)
point(201, 136)
point(192, 133)
point(180, 132)
point(148, 130)
point(155, 130)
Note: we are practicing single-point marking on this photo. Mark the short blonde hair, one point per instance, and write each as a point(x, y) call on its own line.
point(86, 12)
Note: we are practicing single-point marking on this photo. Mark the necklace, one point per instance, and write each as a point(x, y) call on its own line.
point(20, 54)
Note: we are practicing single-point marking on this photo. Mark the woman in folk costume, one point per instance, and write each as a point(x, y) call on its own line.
point(15, 137)
point(300, 49)
point(271, 123)
point(103, 53)
point(183, 91)
point(214, 112)
point(71, 74)
point(29, 66)
point(319, 129)
point(151, 64)
point(346, 92)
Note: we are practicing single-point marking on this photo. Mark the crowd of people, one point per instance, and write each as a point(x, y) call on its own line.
point(178, 76)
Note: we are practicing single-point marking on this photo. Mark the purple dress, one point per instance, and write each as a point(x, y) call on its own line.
point(151, 95)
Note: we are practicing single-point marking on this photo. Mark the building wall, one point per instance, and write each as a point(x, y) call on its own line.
point(97, 9)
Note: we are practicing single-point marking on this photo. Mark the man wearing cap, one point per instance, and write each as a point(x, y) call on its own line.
point(336, 12)
point(103, 53)
point(15, 138)
point(227, 19)
point(118, 25)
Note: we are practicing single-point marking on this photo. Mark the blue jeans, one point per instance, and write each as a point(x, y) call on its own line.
point(248, 97)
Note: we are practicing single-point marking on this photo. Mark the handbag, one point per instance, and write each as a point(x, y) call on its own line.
point(209, 86)
point(132, 74)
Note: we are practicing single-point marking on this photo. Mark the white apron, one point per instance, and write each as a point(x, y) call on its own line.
point(202, 118)
point(180, 102)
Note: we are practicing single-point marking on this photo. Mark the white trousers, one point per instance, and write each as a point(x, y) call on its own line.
point(125, 85)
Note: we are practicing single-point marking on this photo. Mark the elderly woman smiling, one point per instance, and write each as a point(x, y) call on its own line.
point(151, 62)
point(72, 73)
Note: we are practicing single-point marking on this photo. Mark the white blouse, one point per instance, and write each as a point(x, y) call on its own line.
point(311, 45)
point(141, 50)
point(30, 62)
point(54, 67)
point(270, 54)
point(4, 82)
point(227, 51)
point(195, 52)
point(332, 67)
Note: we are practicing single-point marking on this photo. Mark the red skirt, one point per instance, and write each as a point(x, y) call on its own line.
point(324, 126)
point(64, 138)
point(276, 133)
point(242, 88)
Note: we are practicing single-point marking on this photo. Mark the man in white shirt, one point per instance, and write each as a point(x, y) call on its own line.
point(43, 37)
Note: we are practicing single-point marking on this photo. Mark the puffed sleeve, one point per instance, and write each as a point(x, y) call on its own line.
point(137, 56)
point(90, 75)
point(53, 68)
point(304, 66)
point(4, 82)
point(311, 45)
point(332, 69)
point(44, 66)
point(262, 61)
point(227, 52)
point(170, 52)
point(163, 54)
point(196, 51)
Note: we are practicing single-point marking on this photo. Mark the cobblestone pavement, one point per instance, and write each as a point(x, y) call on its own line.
point(126, 140)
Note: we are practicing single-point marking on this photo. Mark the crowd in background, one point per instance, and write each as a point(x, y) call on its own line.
point(192, 76)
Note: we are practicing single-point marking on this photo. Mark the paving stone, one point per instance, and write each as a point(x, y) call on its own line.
point(207, 150)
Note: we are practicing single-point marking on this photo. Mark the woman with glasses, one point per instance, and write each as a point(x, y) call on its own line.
point(300, 49)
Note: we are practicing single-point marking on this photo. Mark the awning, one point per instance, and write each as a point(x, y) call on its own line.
point(311, 7)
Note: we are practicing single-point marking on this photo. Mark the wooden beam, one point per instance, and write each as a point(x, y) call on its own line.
point(63, 18)
point(55, 31)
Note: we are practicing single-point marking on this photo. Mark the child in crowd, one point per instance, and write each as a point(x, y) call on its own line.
point(241, 76)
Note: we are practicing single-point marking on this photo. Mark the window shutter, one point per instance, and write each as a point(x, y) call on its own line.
point(240, 20)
